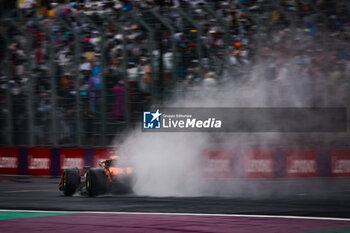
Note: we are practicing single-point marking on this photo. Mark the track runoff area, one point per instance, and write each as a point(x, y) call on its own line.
point(65, 221)
point(35, 205)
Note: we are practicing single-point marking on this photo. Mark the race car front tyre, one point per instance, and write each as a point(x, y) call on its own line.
point(70, 181)
point(96, 182)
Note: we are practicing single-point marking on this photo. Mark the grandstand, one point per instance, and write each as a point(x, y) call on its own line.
point(79, 73)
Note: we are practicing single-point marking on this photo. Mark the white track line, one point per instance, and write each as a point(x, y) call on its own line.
point(182, 214)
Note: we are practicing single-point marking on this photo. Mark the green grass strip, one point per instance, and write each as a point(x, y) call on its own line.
point(15, 214)
point(337, 230)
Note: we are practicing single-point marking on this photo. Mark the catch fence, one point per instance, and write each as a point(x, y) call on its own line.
point(83, 78)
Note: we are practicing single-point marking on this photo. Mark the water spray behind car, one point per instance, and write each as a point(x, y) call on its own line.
point(171, 164)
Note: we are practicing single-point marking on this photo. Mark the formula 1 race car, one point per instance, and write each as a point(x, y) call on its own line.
point(110, 177)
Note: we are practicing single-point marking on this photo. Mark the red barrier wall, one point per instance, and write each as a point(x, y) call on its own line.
point(102, 154)
point(70, 158)
point(301, 163)
point(259, 164)
point(340, 163)
point(9, 160)
point(39, 161)
point(218, 163)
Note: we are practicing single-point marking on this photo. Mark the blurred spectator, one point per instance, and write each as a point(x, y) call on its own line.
point(119, 108)
point(145, 76)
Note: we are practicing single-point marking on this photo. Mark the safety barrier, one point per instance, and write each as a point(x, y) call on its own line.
point(218, 163)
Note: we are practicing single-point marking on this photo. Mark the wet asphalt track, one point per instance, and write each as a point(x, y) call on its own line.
point(321, 197)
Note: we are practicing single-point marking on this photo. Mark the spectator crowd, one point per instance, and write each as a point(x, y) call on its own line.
point(68, 57)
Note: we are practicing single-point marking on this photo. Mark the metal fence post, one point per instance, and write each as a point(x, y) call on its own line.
point(9, 119)
point(289, 18)
point(226, 33)
point(103, 83)
point(258, 23)
point(76, 72)
point(168, 25)
point(198, 38)
point(52, 71)
point(150, 50)
point(125, 75)
point(324, 42)
point(29, 66)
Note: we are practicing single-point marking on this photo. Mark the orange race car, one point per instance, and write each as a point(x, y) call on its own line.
point(110, 177)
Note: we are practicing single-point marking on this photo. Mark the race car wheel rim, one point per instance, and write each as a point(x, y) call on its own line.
point(64, 180)
point(87, 182)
